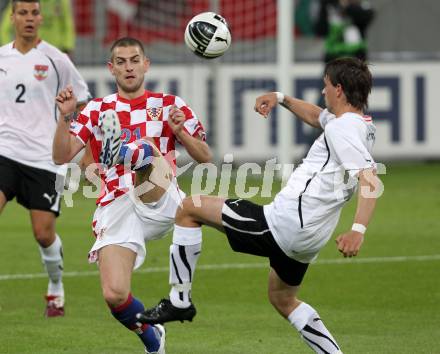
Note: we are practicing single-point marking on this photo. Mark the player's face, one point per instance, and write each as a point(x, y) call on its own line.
point(129, 66)
point(330, 93)
point(27, 19)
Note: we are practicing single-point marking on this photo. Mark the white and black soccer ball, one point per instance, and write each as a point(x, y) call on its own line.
point(208, 35)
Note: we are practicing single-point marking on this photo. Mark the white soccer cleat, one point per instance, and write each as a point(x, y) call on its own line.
point(108, 121)
point(161, 350)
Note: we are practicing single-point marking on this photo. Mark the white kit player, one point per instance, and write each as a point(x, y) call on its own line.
point(133, 134)
point(31, 73)
point(292, 229)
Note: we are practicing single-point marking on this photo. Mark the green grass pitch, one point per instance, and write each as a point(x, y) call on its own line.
point(385, 301)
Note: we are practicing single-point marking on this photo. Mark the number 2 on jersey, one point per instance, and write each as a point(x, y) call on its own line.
point(22, 89)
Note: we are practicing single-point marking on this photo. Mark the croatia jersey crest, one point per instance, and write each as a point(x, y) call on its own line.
point(154, 113)
point(41, 71)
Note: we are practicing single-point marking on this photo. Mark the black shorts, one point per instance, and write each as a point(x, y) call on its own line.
point(253, 236)
point(33, 187)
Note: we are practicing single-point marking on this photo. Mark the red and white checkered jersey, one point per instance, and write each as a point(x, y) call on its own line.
point(146, 115)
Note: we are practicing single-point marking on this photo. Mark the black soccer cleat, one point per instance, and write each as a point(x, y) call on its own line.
point(165, 311)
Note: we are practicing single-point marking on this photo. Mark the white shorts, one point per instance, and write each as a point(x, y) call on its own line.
point(128, 222)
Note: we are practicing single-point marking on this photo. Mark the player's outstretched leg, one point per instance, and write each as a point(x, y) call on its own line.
point(184, 253)
point(136, 155)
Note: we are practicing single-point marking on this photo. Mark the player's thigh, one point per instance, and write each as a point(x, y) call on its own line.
point(3, 201)
point(37, 190)
point(115, 266)
point(278, 285)
point(9, 180)
point(152, 182)
point(288, 270)
point(202, 208)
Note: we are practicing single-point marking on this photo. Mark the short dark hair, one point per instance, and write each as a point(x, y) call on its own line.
point(14, 3)
point(355, 78)
point(127, 42)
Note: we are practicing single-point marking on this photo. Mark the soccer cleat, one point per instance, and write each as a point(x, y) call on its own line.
point(108, 121)
point(161, 332)
point(55, 306)
point(165, 311)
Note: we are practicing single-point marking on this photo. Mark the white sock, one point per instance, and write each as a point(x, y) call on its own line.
point(52, 258)
point(184, 253)
point(306, 320)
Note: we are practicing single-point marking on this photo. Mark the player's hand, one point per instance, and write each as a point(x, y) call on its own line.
point(176, 119)
point(265, 103)
point(350, 243)
point(66, 101)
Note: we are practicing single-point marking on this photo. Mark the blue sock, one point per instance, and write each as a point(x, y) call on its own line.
point(126, 314)
point(138, 154)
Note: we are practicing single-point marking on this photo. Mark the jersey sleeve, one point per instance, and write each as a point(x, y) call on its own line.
point(71, 76)
point(325, 117)
point(82, 126)
point(347, 146)
point(192, 124)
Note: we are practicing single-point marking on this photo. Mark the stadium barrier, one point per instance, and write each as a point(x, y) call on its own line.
point(402, 103)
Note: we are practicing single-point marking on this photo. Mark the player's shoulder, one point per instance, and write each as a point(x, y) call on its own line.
point(348, 121)
point(94, 105)
point(348, 126)
point(168, 99)
point(6, 48)
point(52, 52)
point(48, 48)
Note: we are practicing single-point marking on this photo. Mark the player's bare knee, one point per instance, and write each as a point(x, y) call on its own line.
point(282, 302)
point(44, 234)
point(185, 212)
point(113, 296)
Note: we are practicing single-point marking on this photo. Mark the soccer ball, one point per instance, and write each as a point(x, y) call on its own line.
point(208, 35)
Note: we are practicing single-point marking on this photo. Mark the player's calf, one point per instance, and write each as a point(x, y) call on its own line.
point(308, 323)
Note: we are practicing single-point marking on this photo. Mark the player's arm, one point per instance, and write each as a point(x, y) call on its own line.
point(369, 189)
point(65, 146)
point(307, 112)
point(196, 147)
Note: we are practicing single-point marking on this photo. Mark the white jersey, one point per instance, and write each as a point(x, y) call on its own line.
point(29, 84)
point(305, 212)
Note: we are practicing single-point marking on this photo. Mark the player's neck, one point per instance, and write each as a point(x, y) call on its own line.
point(24, 45)
point(339, 111)
point(131, 95)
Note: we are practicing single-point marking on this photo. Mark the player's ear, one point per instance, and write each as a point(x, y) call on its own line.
point(146, 63)
point(339, 90)
point(110, 67)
